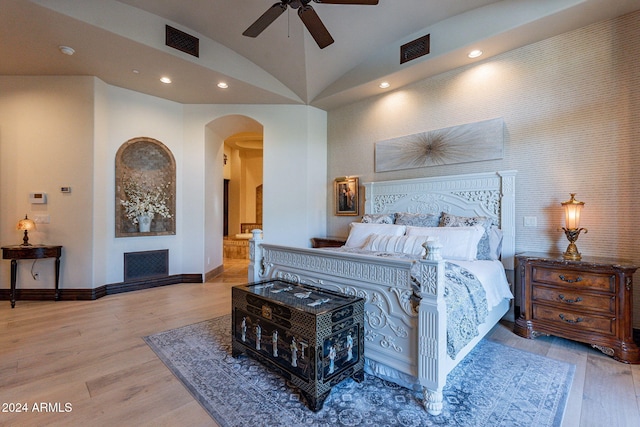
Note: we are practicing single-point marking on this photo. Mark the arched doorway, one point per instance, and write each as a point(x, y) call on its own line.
point(233, 171)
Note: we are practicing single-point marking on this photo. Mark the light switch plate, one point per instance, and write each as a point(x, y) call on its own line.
point(42, 218)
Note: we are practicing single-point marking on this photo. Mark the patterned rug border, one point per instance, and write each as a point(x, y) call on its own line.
point(440, 420)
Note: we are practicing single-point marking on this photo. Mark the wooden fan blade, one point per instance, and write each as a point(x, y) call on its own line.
point(371, 2)
point(265, 20)
point(315, 26)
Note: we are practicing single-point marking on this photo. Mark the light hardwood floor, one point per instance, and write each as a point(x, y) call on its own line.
point(91, 355)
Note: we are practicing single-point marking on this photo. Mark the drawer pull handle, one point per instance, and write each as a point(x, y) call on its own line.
point(578, 320)
point(563, 278)
point(570, 301)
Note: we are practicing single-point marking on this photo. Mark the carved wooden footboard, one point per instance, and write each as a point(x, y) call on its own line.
point(403, 331)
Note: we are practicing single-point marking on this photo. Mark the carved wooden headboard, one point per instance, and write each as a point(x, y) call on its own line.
point(490, 194)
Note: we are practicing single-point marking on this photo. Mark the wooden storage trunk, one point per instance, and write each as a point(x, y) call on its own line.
point(311, 336)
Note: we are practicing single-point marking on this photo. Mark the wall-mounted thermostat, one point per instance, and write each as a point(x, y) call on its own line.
point(38, 198)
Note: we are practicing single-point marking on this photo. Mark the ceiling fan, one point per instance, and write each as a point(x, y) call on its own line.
point(306, 13)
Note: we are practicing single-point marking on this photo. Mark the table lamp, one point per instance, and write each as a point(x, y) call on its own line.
point(26, 224)
point(572, 209)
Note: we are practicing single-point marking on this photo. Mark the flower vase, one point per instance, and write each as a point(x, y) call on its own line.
point(144, 223)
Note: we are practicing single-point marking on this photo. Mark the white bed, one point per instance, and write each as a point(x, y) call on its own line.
point(405, 311)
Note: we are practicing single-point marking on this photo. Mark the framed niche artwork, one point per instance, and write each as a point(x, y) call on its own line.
point(346, 196)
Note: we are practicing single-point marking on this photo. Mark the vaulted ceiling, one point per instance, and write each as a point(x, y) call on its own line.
point(123, 43)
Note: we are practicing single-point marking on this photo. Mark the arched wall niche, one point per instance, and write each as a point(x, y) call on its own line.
point(145, 167)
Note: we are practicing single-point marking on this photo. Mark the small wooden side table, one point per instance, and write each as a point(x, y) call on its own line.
point(17, 252)
point(327, 242)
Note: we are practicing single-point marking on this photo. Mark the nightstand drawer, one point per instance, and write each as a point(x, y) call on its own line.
point(575, 320)
point(575, 298)
point(577, 278)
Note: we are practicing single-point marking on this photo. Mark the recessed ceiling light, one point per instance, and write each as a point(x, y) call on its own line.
point(223, 85)
point(384, 85)
point(134, 71)
point(474, 53)
point(165, 80)
point(66, 50)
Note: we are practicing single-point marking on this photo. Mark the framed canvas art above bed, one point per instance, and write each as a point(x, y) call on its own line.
point(346, 196)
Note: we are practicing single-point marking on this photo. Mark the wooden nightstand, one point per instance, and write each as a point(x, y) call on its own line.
point(588, 300)
point(327, 242)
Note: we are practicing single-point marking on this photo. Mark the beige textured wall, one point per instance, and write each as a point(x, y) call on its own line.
point(46, 132)
point(571, 106)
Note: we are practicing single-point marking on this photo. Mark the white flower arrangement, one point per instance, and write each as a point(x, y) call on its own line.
point(145, 199)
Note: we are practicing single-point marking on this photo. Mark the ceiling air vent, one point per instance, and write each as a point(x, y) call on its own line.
point(182, 41)
point(414, 49)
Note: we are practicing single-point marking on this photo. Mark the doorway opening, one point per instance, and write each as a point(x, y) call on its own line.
point(243, 197)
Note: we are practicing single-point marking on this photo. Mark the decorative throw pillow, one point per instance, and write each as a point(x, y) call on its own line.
point(359, 232)
point(448, 220)
point(458, 243)
point(378, 218)
point(411, 245)
point(417, 219)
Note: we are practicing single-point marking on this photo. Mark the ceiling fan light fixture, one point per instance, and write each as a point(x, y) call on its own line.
point(474, 53)
point(307, 14)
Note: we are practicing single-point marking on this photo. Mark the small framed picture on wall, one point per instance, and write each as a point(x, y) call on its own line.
point(346, 196)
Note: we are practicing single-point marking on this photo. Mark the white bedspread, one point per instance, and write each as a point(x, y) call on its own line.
point(492, 276)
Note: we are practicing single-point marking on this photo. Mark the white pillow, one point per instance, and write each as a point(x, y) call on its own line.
point(495, 242)
point(411, 245)
point(459, 243)
point(359, 232)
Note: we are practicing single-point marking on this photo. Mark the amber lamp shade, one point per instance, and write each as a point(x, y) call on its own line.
point(26, 224)
point(572, 210)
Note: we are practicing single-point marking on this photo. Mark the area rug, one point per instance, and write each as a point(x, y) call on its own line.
point(494, 385)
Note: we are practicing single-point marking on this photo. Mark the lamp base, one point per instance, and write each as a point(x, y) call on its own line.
point(25, 239)
point(572, 250)
point(572, 253)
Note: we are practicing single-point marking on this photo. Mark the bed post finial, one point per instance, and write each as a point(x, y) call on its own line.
point(432, 247)
point(255, 255)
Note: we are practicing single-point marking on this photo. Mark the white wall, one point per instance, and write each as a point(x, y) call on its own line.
point(213, 199)
point(294, 174)
point(130, 115)
point(46, 142)
point(571, 106)
point(65, 131)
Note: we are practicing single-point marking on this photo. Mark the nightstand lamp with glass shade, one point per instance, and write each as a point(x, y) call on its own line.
point(572, 209)
point(26, 224)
